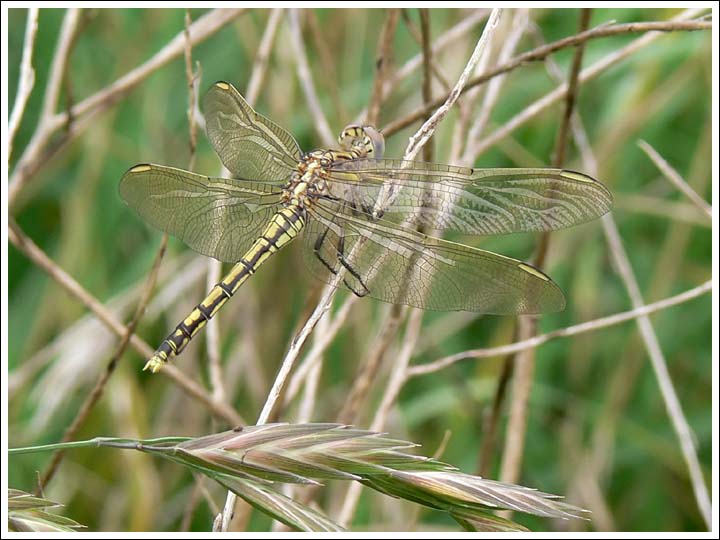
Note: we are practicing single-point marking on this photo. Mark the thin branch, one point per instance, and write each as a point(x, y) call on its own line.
point(191, 79)
point(586, 75)
point(519, 25)
point(563, 134)
point(349, 414)
point(24, 244)
point(419, 139)
point(417, 35)
point(306, 82)
point(660, 207)
point(427, 69)
point(569, 331)
point(59, 64)
point(307, 404)
point(541, 52)
point(674, 177)
point(327, 61)
point(98, 390)
point(320, 345)
point(27, 77)
point(524, 362)
point(212, 337)
point(491, 422)
point(383, 59)
point(398, 377)
point(399, 374)
point(34, 155)
point(657, 359)
point(441, 43)
point(257, 77)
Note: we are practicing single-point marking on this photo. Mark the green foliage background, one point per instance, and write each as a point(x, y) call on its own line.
point(597, 428)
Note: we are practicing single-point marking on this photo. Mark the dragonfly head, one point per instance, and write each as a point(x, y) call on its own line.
point(366, 140)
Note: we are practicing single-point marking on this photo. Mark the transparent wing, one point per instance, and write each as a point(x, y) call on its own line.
point(249, 145)
point(401, 266)
point(471, 201)
point(217, 217)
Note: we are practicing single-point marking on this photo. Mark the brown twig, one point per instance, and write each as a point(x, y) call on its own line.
point(327, 60)
point(37, 256)
point(536, 341)
point(400, 370)
point(541, 52)
point(427, 71)
point(319, 347)
point(191, 79)
point(306, 82)
point(490, 425)
point(660, 207)
point(417, 35)
point(59, 65)
point(443, 41)
point(97, 392)
point(524, 362)
point(418, 140)
point(398, 377)
point(563, 134)
point(257, 77)
point(27, 77)
point(659, 364)
point(349, 414)
point(674, 177)
point(511, 39)
point(383, 59)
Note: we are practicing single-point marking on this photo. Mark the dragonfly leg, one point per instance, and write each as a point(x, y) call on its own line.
point(316, 249)
point(346, 264)
point(339, 251)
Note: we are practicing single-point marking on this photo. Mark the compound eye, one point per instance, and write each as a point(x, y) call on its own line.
point(376, 143)
point(324, 162)
point(349, 136)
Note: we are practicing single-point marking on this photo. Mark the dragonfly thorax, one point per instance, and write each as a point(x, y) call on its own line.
point(309, 180)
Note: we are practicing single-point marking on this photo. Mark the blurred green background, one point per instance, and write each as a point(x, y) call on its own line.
point(597, 432)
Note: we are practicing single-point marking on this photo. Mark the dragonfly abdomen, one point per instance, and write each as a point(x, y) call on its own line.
point(282, 228)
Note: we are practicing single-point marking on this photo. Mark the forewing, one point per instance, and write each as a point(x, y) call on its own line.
point(400, 266)
point(250, 146)
point(471, 201)
point(217, 217)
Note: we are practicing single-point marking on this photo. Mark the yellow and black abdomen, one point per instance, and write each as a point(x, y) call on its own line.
point(282, 228)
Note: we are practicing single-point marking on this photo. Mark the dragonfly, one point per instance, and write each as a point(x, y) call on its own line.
point(362, 217)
